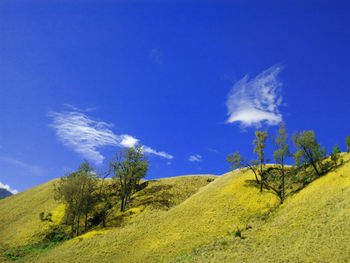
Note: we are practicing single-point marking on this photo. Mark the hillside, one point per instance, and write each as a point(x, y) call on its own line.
point(4, 193)
point(196, 218)
point(312, 226)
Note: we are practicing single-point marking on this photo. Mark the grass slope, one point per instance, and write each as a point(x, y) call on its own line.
point(172, 217)
point(21, 225)
point(156, 235)
point(312, 226)
point(19, 216)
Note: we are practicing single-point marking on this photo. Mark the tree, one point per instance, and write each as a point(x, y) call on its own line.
point(77, 191)
point(129, 166)
point(281, 154)
point(239, 162)
point(309, 151)
point(335, 154)
point(348, 144)
point(259, 142)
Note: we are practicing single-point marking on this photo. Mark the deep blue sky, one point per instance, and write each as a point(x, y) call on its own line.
point(162, 72)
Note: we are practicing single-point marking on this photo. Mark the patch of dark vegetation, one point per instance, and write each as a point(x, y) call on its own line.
point(52, 239)
point(210, 180)
point(47, 217)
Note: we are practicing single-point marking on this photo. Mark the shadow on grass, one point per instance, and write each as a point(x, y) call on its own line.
point(251, 184)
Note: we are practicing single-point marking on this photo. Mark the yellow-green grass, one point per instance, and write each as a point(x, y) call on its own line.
point(20, 222)
point(175, 216)
point(312, 226)
point(155, 235)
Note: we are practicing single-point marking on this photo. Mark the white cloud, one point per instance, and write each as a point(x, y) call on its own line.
point(256, 101)
point(85, 136)
point(195, 158)
point(128, 141)
point(161, 154)
point(8, 188)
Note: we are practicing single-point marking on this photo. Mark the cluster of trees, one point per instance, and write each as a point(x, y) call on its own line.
point(308, 159)
point(88, 199)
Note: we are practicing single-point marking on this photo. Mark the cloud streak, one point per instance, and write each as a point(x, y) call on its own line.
point(254, 102)
point(86, 136)
point(195, 158)
point(33, 169)
point(8, 188)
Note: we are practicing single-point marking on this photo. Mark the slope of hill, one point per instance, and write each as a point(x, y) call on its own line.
point(4, 193)
point(172, 217)
point(312, 226)
point(220, 207)
point(20, 221)
point(21, 224)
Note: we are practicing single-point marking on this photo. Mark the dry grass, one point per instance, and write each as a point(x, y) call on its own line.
point(312, 226)
point(155, 234)
point(19, 216)
point(174, 216)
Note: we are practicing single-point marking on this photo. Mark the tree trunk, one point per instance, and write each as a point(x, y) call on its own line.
point(103, 218)
point(256, 177)
point(78, 225)
point(72, 229)
point(283, 190)
point(86, 216)
point(122, 207)
point(314, 166)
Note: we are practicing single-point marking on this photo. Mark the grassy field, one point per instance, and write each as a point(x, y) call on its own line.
point(201, 218)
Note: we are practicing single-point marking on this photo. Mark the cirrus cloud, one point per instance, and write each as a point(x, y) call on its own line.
point(195, 158)
point(86, 136)
point(253, 102)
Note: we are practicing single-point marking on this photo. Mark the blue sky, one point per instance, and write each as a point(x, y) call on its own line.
point(190, 80)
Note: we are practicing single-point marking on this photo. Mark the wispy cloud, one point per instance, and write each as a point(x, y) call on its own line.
point(195, 158)
point(85, 136)
point(8, 188)
point(212, 150)
point(33, 169)
point(253, 102)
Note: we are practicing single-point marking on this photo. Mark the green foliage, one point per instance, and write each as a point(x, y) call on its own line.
point(280, 155)
point(259, 143)
point(239, 162)
point(78, 192)
point(347, 141)
point(44, 217)
point(335, 154)
point(309, 151)
point(129, 166)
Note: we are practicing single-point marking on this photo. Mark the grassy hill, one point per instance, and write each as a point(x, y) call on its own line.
point(196, 218)
point(312, 226)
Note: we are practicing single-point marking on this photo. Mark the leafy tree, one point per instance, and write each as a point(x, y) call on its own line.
point(239, 162)
point(259, 142)
point(335, 154)
point(105, 203)
point(309, 151)
point(77, 191)
point(280, 155)
point(348, 144)
point(129, 166)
